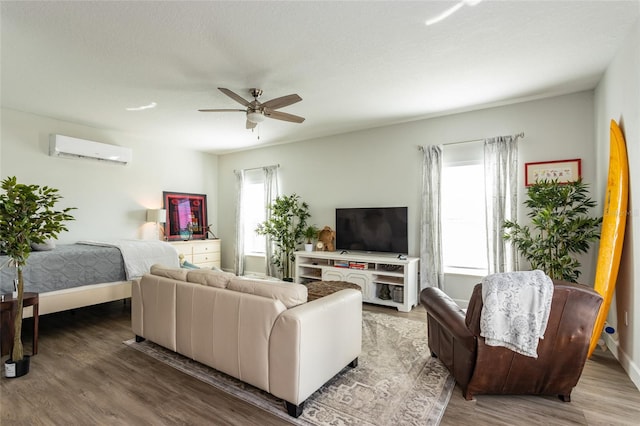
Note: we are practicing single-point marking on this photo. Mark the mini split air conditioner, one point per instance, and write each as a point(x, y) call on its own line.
point(65, 146)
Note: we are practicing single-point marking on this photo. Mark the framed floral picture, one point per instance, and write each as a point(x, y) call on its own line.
point(186, 216)
point(561, 170)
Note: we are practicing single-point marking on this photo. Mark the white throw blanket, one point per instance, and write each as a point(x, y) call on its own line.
point(515, 310)
point(140, 255)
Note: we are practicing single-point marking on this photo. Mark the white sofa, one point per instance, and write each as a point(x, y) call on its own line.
point(261, 332)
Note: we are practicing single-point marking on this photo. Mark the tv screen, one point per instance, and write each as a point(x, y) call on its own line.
point(379, 229)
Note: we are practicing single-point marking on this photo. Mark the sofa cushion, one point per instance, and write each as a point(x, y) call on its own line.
point(210, 277)
point(289, 294)
point(168, 272)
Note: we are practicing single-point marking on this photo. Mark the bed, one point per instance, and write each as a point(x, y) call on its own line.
point(86, 273)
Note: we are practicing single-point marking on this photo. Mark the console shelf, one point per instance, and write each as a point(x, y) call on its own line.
point(379, 275)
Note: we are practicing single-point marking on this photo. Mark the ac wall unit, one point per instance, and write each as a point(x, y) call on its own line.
point(65, 146)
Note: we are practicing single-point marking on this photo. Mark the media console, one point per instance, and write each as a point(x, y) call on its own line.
point(384, 279)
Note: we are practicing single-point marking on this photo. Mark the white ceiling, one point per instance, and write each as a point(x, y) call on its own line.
point(356, 64)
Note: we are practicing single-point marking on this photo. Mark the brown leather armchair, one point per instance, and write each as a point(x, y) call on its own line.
point(454, 337)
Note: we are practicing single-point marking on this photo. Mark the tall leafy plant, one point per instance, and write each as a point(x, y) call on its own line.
point(285, 226)
point(560, 228)
point(27, 216)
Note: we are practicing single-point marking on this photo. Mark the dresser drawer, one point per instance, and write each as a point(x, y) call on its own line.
point(200, 258)
point(205, 247)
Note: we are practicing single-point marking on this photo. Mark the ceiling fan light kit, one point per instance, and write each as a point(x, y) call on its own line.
point(257, 111)
point(255, 117)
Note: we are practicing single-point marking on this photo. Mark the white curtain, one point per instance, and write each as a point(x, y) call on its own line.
point(239, 253)
point(270, 194)
point(431, 274)
point(501, 199)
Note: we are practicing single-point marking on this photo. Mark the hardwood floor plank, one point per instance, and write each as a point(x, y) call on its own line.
point(84, 374)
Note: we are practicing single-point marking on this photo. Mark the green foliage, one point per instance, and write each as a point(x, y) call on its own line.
point(286, 225)
point(560, 228)
point(311, 233)
point(27, 215)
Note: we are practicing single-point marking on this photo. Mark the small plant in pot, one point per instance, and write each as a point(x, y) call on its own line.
point(285, 228)
point(560, 228)
point(27, 216)
point(311, 233)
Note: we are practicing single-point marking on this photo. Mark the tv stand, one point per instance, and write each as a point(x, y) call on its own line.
point(378, 275)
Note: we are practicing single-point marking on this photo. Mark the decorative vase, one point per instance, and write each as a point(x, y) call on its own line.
point(16, 369)
point(185, 234)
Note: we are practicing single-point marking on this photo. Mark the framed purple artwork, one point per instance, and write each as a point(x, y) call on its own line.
point(186, 216)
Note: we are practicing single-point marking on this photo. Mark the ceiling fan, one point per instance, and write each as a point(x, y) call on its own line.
point(257, 111)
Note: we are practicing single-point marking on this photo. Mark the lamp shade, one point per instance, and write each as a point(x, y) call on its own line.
point(157, 215)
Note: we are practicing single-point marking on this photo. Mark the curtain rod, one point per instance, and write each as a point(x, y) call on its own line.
point(518, 135)
point(256, 168)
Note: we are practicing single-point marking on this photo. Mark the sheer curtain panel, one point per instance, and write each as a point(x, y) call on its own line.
point(431, 274)
point(239, 252)
point(270, 194)
point(501, 199)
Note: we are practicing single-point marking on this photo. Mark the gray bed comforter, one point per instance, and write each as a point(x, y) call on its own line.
point(66, 266)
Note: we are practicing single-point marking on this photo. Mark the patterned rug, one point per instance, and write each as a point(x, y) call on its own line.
point(396, 381)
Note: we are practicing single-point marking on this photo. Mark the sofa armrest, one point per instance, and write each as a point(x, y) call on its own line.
point(311, 343)
point(449, 338)
point(153, 305)
point(448, 314)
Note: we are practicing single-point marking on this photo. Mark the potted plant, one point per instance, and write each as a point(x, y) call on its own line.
point(285, 226)
point(27, 216)
point(310, 234)
point(560, 228)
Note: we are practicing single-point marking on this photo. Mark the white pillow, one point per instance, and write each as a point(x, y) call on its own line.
point(49, 244)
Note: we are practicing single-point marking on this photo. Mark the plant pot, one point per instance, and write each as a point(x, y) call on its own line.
point(308, 247)
point(16, 369)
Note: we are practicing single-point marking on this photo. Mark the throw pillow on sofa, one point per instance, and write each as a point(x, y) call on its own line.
point(289, 294)
point(168, 272)
point(210, 277)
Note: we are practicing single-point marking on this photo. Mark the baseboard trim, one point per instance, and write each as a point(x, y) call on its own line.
point(623, 358)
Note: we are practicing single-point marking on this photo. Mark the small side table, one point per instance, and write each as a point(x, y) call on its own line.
point(8, 307)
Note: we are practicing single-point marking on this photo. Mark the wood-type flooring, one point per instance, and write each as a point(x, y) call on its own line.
point(84, 375)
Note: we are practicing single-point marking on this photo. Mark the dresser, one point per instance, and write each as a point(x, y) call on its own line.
point(202, 253)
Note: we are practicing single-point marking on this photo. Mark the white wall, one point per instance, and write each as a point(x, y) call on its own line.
point(382, 167)
point(111, 199)
point(618, 97)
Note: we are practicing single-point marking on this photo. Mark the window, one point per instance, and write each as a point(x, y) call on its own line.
point(253, 212)
point(464, 240)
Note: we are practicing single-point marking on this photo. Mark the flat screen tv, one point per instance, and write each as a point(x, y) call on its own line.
point(372, 229)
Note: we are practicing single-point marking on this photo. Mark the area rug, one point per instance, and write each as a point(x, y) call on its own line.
point(396, 382)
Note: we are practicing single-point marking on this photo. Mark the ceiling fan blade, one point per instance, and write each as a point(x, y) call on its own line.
point(221, 110)
point(282, 102)
point(234, 96)
point(278, 115)
point(251, 124)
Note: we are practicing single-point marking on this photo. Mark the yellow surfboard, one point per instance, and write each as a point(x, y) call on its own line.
point(614, 220)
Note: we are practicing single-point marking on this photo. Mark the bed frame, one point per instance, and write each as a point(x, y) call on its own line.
point(78, 297)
